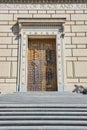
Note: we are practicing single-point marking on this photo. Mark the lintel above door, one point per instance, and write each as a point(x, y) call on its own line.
point(41, 21)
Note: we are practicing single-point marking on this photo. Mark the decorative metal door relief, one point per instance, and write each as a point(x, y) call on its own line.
point(42, 65)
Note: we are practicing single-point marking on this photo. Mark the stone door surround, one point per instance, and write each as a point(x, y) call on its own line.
point(46, 27)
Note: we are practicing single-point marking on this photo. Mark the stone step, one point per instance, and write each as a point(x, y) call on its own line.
point(43, 122)
point(41, 93)
point(43, 113)
point(43, 109)
point(43, 127)
point(43, 97)
point(45, 101)
point(49, 117)
point(39, 105)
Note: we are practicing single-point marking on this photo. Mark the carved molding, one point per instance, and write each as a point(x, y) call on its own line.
point(46, 31)
point(33, 29)
point(40, 22)
point(43, 1)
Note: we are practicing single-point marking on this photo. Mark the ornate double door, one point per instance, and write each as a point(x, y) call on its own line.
point(42, 65)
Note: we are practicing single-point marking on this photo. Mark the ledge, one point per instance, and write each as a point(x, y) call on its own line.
point(43, 1)
point(41, 21)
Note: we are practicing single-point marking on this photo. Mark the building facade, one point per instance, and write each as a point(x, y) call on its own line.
point(43, 45)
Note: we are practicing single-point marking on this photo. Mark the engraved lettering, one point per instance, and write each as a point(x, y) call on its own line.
point(42, 6)
point(68, 6)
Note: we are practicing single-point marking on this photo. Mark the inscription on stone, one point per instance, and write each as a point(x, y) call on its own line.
point(43, 6)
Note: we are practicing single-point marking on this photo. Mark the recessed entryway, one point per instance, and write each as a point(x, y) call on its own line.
point(42, 70)
point(41, 55)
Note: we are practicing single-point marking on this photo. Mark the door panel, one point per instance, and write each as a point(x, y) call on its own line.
point(42, 65)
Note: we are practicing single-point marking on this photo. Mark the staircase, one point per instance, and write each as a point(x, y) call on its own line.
point(43, 111)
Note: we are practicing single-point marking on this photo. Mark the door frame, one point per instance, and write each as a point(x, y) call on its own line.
point(40, 30)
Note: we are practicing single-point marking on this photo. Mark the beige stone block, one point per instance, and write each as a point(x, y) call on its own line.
point(84, 80)
point(2, 58)
point(3, 34)
point(14, 52)
point(11, 58)
point(3, 22)
point(79, 11)
point(6, 17)
point(80, 22)
point(67, 40)
point(85, 22)
point(78, 17)
point(41, 11)
point(5, 28)
point(60, 11)
point(5, 52)
point(12, 22)
point(69, 69)
point(67, 28)
point(71, 58)
point(70, 11)
point(33, 11)
point(80, 34)
point(79, 40)
point(4, 12)
point(14, 69)
point(81, 46)
point(82, 58)
point(7, 88)
point(85, 11)
point(12, 46)
point(16, 16)
point(3, 46)
point(69, 22)
point(5, 69)
point(51, 11)
point(69, 34)
point(5, 40)
point(79, 52)
point(79, 28)
point(74, 80)
point(2, 80)
point(13, 11)
point(41, 16)
point(70, 87)
point(67, 16)
point(68, 52)
point(23, 11)
point(80, 69)
point(10, 80)
point(70, 46)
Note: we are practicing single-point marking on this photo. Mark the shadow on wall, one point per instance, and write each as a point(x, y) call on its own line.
point(80, 89)
point(15, 30)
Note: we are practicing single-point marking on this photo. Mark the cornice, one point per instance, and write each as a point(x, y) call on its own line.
point(43, 1)
point(41, 21)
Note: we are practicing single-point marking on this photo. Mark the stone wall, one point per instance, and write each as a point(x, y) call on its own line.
point(75, 40)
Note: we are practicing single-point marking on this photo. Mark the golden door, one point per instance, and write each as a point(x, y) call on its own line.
point(42, 65)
